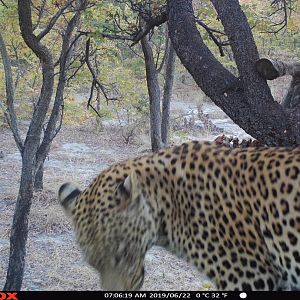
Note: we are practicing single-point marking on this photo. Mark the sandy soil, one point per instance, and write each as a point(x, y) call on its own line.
point(54, 261)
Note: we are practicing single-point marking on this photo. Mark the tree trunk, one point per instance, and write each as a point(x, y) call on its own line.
point(168, 87)
point(247, 100)
point(35, 150)
point(38, 179)
point(154, 94)
point(10, 96)
point(19, 230)
point(64, 61)
point(292, 98)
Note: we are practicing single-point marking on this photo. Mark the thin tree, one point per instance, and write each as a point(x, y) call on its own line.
point(35, 147)
point(154, 94)
point(142, 33)
point(168, 88)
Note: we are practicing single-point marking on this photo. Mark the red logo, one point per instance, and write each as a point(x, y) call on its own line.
point(8, 296)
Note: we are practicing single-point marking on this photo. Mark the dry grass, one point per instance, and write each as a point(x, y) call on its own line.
point(47, 217)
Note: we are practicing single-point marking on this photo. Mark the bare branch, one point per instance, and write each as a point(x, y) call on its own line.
point(150, 24)
point(149, 21)
point(41, 11)
point(117, 37)
point(282, 6)
point(96, 82)
point(109, 36)
point(118, 25)
point(3, 3)
point(77, 69)
point(64, 63)
point(215, 39)
point(10, 98)
point(165, 57)
point(95, 110)
point(43, 53)
point(54, 19)
point(91, 94)
point(136, 53)
point(70, 46)
point(17, 59)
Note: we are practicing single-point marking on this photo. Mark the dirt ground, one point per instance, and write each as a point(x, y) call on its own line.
point(54, 261)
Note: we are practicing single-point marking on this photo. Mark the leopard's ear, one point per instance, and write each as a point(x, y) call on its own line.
point(67, 193)
point(130, 191)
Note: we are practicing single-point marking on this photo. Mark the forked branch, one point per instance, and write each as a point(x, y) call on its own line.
point(54, 19)
point(96, 84)
point(10, 97)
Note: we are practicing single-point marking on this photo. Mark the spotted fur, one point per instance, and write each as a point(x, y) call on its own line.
point(232, 213)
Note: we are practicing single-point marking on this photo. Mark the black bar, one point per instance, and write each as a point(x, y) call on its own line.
point(38, 295)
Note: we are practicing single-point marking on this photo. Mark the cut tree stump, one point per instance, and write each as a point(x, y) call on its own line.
point(272, 69)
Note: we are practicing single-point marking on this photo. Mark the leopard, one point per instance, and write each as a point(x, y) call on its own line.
point(232, 213)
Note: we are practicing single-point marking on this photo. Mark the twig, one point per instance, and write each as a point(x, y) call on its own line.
point(95, 82)
point(54, 19)
point(211, 32)
point(108, 35)
point(95, 110)
point(282, 6)
point(15, 48)
point(40, 14)
point(150, 24)
point(2, 2)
